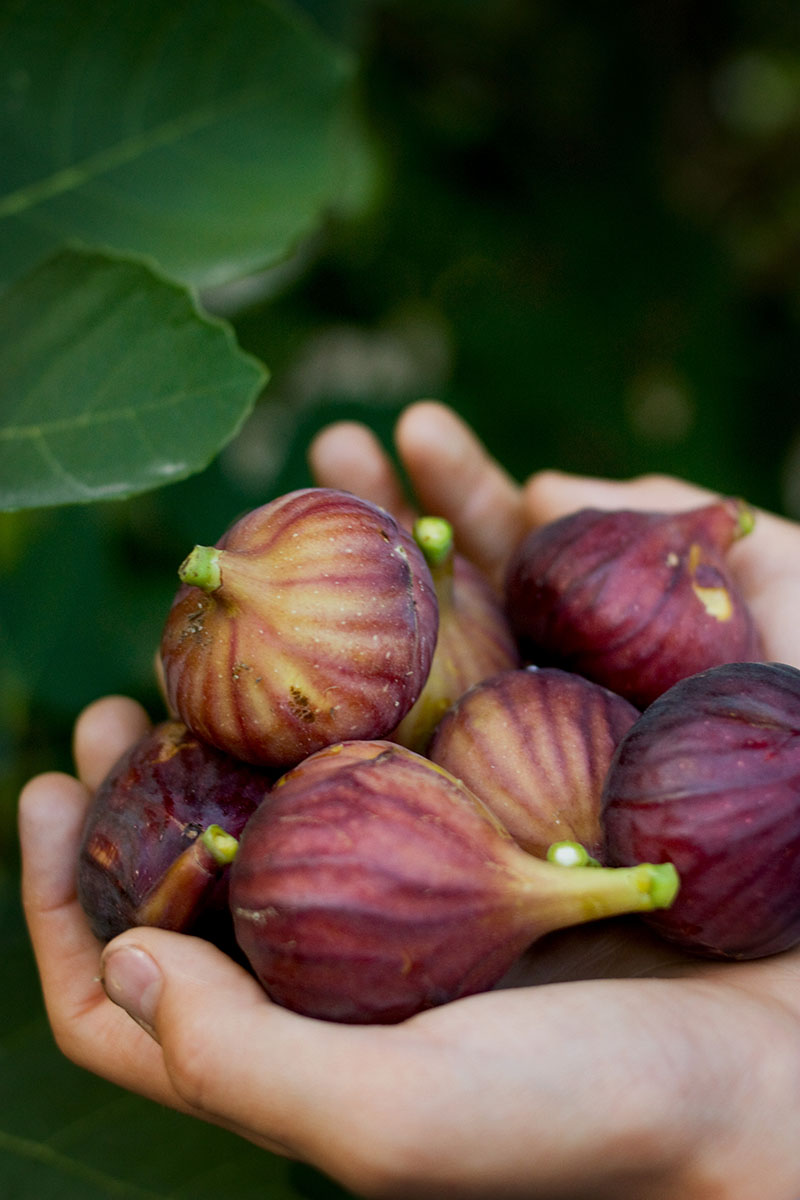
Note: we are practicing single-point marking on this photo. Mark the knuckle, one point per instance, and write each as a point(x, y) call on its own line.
point(187, 1064)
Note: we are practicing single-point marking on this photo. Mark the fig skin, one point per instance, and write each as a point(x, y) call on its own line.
point(152, 807)
point(535, 744)
point(368, 891)
point(633, 600)
point(709, 778)
point(474, 639)
point(314, 619)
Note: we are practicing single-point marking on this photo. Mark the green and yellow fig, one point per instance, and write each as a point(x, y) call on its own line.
point(535, 744)
point(312, 620)
point(474, 639)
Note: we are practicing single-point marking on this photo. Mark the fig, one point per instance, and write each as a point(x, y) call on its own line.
point(535, 744)
point(633, 600)
point(474, 639)
point(374, 885)
point(312, 620)
point(709, 778)
point(160, 832)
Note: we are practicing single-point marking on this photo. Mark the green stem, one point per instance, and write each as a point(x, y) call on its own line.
point(747, 519)
point(571, 854)
point(434, 536)
point(201, 568)
point(180, 895)
point(560, 896)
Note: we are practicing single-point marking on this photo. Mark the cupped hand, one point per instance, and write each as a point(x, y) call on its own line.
point(653, 1076)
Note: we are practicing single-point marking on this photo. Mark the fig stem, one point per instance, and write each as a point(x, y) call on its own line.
point(665, 883)
point(221, 846)
point(589, 893)
point(571, 854)
point(178, 898)
point(747, 519)
point(434, 536)
point(201, 568)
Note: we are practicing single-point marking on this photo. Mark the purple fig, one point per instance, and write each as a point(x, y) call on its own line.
point(160, 833)
point(313, 620)
point(369, 892)
point(709, 778)
point(633, 600)
point(474, 640)
point(535, 745)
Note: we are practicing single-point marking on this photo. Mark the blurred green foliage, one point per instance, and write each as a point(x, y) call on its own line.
point(584, 234)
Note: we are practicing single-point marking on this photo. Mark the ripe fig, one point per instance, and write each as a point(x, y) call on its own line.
point(160, 832)
point(312, 620)
point(535, 745)
point(633, 600)
point(370, 891)
point(709, 778)
point(474, 640)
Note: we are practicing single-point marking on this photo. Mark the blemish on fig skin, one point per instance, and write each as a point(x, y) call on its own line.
point(715, 600)
point(709, 587)
point(102, 851)
point(194, 626)
point(301, 706)
point(173, 744)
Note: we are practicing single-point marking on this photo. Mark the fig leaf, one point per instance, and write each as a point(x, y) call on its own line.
point(212, 137)
point(112, 382)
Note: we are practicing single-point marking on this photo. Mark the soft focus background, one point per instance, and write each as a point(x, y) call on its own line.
point(577, 224)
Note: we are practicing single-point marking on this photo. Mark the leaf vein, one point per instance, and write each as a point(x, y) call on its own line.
point(86, 420)
point(125, 151)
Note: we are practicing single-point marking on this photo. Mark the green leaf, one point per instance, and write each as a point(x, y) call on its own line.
point(111, 382)
point(208, 135)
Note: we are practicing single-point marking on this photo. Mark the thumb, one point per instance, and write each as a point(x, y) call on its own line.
point(231, 1055)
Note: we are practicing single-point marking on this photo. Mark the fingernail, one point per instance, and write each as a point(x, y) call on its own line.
point(133, 980)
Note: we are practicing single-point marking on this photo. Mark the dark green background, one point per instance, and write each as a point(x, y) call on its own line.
point(586, 238)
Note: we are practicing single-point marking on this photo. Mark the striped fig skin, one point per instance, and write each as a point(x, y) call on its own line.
point(535, 744)
point(333, 758)
point(154, 802)
point(323, 628)
point(633, 600)
point(374, 885)
point(709, 778)
point(474, 642)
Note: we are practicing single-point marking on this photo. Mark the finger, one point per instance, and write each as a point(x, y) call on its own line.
point(454, 476)
point(103, 732)
point(88, 1029)
point(230, 1053)
point(548, 495)
point(347, 455)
